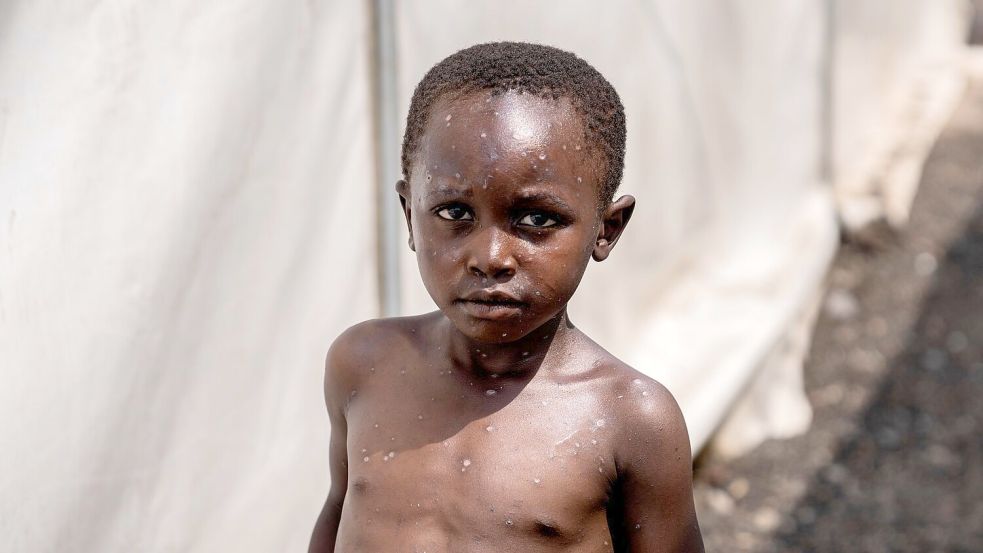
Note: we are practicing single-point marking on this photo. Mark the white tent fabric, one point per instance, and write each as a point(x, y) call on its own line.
point(188, 218)
point(897, 76)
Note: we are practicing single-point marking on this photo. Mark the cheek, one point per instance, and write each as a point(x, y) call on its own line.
point(438, 258)
point(556, 270)
point(434, 243)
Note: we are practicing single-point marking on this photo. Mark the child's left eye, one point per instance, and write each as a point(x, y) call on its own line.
point(538, 220)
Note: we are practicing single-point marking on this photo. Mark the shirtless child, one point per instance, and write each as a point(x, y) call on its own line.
point(494, 424)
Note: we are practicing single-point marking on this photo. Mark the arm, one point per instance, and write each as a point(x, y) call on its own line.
point(656, 478)
point(336, 386)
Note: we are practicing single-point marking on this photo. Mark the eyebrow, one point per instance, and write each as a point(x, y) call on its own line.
point(542, 198)
point(545, 198)
point(451, 192)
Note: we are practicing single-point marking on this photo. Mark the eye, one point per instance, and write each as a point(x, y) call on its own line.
point(455, 213)
point(538, 219)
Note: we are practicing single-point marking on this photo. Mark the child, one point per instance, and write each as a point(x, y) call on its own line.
point(494, 424)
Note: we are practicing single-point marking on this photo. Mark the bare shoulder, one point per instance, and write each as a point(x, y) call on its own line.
point(655, 468)
point(650, 422)
point(365, 345)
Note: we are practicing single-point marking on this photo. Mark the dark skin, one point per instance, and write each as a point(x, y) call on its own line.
point(494, 424)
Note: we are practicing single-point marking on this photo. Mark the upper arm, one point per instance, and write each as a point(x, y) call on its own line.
point(339, 382)
point(655, 472)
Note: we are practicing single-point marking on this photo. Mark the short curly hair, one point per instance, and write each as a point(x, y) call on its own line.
point(527, 68)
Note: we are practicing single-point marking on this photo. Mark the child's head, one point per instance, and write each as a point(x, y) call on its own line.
point(543, 71)
point(511, 157)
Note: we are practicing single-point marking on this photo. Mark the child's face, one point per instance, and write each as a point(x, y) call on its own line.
point(504, 212)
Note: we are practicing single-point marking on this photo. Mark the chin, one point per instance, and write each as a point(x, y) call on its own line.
point(489, 332)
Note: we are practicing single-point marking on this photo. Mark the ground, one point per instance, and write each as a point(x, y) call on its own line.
point(894, 458)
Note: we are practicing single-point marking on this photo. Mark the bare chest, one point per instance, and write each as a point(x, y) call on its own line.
point(536, 463)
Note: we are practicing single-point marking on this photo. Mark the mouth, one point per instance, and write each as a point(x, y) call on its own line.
point(491, 305)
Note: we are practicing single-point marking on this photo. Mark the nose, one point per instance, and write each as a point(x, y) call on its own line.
point(491, 255)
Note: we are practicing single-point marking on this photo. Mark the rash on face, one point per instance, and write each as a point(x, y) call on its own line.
point(504, 199)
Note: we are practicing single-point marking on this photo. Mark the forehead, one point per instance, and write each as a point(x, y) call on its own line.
point(483, 133)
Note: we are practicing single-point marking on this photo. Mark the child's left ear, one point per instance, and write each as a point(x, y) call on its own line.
point(615, 218)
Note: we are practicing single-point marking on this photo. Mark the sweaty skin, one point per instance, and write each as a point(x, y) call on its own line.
point(494, 424)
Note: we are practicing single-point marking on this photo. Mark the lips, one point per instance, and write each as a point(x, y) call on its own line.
point(491, 296)
point(491, 305)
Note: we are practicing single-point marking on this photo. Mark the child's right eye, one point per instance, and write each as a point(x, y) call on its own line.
point(455, 213)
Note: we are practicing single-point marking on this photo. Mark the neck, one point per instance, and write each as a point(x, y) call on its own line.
point(517, 359)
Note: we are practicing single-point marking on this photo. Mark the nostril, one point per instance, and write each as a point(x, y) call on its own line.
point(505, 272)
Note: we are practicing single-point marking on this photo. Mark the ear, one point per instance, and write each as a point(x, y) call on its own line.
point(614, 220)
point(403, 189)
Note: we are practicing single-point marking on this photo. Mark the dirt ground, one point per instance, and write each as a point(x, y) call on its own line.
point(894, 458)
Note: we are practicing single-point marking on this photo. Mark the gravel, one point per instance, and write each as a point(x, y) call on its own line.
point(894, 458)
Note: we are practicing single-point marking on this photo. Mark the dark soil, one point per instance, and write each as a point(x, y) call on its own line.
point(894, 458)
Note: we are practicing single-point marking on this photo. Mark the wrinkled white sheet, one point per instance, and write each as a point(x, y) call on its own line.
point(187, 218)
point(898, 75)
point(187, 200)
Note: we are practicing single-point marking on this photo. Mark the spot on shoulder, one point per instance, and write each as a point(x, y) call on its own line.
point(641, 396)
